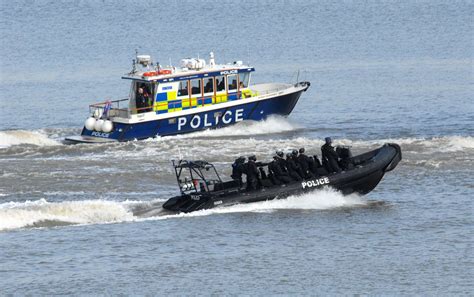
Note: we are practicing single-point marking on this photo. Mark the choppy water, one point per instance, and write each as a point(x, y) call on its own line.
point(86, 219)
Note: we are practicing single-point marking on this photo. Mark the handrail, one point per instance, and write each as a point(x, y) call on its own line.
point(111, 101)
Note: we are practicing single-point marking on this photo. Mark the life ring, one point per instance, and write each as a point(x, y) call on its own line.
point(155, 73)
point(164, 71)
point(150, 73)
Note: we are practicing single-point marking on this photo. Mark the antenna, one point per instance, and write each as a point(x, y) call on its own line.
point(248, 55)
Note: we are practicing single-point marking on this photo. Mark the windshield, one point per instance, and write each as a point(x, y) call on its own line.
point(196, 178)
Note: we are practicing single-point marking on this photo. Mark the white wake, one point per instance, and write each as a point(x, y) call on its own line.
point(16, 215)
point(17, 137)
point(271, 125)
point(41, 213)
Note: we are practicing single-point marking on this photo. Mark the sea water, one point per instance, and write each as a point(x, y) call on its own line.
point(87, 219)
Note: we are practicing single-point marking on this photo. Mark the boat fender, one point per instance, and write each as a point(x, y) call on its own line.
point(98, 125)
point(90, 123)
point(107, 126)
point(97, 113)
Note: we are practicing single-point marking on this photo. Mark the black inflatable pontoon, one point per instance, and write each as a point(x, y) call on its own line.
point(200, 192)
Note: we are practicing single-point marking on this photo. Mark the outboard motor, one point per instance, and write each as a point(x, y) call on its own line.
point(343, 152)
point(345, 155)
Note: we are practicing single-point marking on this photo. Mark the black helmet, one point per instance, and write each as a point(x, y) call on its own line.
point(302, 150)
point(328, 140)
point(241, 159)
point(279, 154)
point(253, 158)
point(275, 157)
point(294, 152)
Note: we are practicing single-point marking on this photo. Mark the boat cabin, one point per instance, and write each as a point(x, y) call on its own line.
point(188, 90)
point(162, 90)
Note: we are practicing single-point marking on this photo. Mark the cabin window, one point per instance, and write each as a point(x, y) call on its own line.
point(220, 83)
point(208, 85)
point(244, 80)
point(183, 88)
point(232, 82)
point(196, 87)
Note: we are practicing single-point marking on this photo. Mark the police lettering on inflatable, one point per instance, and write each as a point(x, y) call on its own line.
point(315, 182)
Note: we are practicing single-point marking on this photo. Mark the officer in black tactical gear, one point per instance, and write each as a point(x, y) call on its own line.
point(292, 168)
point(294, 157)
point(281, 161)
point(306, 163)
point(252, 173)
point(330, 156)
point(277, 175)
point(238, 168)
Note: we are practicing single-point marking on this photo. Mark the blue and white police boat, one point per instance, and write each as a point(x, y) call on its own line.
point(197, 95)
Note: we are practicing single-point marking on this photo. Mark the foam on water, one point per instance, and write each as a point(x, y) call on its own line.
point(318, 200)
point(435, 144)
point(271, 125)
point(14, 215)
point(41, 213)
point(18, 137)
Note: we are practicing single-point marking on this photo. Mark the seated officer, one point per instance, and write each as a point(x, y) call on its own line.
point(294, 157)
point(292, 168)
point(281, 161)
point(277, 175)
point(238, 168)
point(305, 163)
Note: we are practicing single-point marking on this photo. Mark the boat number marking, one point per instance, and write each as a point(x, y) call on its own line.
point(100, 134)
point(195, 197)
point(315, 182)
point(198, 121)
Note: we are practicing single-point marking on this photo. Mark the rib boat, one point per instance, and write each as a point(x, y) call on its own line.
point(202, 188)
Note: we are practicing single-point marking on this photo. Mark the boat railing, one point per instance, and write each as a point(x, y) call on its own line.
point(114, 109)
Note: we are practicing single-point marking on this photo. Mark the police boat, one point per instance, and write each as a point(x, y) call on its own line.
point(197, 95)
point(202, 188)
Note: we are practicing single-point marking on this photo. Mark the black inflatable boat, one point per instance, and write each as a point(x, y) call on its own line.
point(202, 188)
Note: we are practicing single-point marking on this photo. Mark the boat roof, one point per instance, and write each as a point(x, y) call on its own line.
point(201, 164)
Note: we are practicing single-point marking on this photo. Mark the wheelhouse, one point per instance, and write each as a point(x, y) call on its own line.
point(188, 91)
point(170, 89)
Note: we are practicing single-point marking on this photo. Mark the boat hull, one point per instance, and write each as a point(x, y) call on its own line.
point(281, 105)
point(362, 179)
